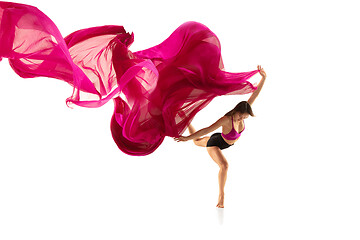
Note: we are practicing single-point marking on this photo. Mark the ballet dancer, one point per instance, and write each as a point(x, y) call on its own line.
point(233, 125)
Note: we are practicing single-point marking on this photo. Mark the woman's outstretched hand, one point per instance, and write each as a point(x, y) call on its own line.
point(181, 139)
point(262, 72)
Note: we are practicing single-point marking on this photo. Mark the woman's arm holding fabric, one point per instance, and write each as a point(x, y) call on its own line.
point(259, 86)
point(203, 131)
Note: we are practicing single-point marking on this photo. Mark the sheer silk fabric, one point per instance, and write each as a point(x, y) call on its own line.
point(156, 92)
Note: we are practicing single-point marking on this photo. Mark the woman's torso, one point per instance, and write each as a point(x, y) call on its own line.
point(226, 129)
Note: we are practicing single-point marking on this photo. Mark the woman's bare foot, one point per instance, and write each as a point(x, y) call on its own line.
point(221, 201)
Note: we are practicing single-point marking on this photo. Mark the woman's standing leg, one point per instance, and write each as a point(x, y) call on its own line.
point(216, 154)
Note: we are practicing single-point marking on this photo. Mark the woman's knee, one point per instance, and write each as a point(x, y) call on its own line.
point(224, 166)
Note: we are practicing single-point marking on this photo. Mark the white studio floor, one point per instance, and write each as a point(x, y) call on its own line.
point(294, 174)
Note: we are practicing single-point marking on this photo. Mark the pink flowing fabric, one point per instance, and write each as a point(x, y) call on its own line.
point(156, 92)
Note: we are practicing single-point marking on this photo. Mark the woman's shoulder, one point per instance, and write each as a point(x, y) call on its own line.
point(226, 120)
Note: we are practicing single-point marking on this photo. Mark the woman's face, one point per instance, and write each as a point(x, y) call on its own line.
point(240, 116)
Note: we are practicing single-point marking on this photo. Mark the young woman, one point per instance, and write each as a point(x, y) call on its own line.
point(232, 125)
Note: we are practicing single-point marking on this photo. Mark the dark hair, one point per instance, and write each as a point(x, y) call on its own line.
point(242, 107)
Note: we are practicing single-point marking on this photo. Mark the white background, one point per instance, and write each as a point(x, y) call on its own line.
point(294, 174)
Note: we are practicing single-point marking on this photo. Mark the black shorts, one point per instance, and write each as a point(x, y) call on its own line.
point(217, 140)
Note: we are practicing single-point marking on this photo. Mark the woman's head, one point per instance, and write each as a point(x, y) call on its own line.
point(242, 110)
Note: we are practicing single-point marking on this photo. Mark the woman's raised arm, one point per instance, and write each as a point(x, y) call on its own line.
point(259, 86)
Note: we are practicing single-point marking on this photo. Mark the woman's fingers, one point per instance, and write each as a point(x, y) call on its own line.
point(262, 71)
point(180, 139)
